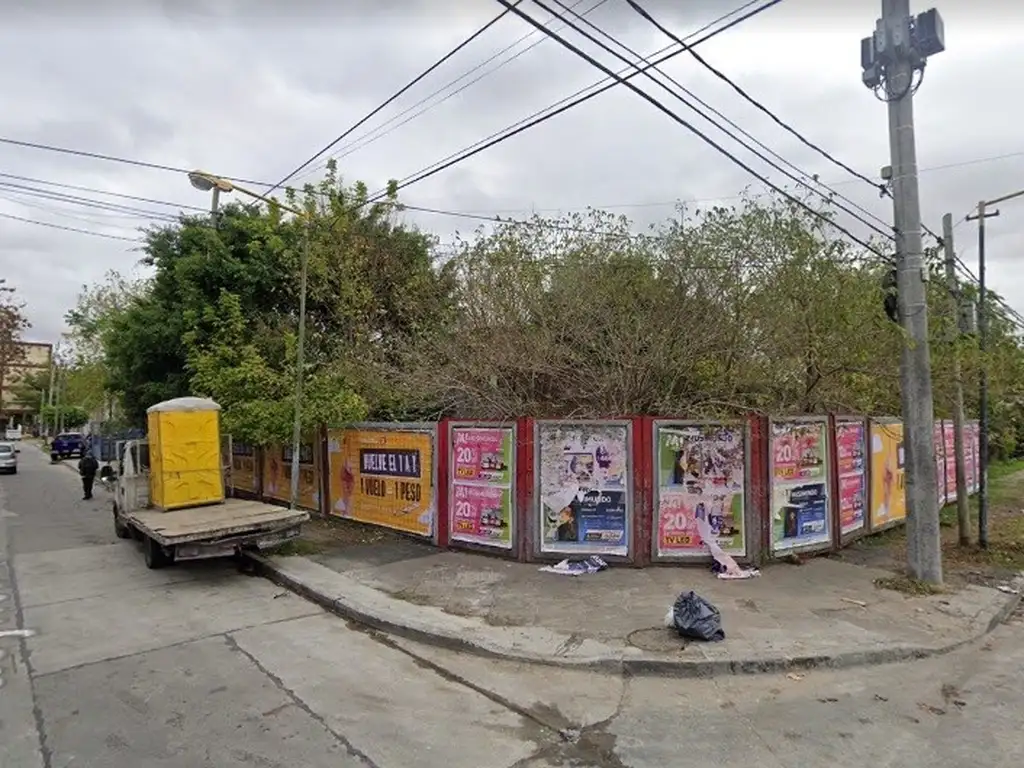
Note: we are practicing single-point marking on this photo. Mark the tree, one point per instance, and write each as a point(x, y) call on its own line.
point(70, 416)
point(12, 323)
point(371, 286)
point(257, 396)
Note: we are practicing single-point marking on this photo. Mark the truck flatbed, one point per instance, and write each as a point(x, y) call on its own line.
point(235, 517)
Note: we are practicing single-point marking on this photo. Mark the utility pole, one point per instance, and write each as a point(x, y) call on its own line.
point(982, 214)
point(963, 509)
point(890, 58)
point(53, 375)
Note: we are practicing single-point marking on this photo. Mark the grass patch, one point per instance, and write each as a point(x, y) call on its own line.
point(298, 548)
point(909, 586)
point(1003, 559)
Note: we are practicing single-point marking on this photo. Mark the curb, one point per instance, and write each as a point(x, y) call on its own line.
point(628, 661)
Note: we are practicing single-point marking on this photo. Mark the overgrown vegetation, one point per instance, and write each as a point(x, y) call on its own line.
point(720, 311)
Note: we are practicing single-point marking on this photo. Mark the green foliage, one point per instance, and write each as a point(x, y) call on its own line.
point(73, 415)
point(219, 315)
point(714, 313)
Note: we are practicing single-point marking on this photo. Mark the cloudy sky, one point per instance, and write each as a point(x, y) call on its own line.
point(248, 89)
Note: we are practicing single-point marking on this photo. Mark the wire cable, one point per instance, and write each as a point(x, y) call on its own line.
point(379, 132)
point(705, 33)
point(388, 101)
point(97, 191)
point(12, 217)
point(63, 197)
point(781, 123)
point(804, 179)
point(710, 142)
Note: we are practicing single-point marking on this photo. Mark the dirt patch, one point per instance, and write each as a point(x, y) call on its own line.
point(1003, 559)
point(322, 535)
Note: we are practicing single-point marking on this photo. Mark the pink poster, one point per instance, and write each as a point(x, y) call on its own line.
point(971, 459)
point(798, 451)
point(940, 464)
point(480, 513)
point(851, 502)
point(949, 448)
point(850, 447)
point(482, 455)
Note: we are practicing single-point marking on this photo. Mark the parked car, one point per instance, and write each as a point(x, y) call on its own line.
point(8, 459)
point(67, 444)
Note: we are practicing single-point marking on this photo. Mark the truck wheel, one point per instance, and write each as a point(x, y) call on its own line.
point(121, 530)
point(156, 556)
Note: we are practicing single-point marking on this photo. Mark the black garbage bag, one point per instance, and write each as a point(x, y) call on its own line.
point(695, 617)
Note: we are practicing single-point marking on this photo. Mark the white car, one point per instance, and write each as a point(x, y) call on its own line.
point(8, 459)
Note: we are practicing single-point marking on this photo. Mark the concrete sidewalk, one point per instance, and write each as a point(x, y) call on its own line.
point(823, 613)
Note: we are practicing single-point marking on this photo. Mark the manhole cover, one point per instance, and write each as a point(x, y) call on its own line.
point(656, 640)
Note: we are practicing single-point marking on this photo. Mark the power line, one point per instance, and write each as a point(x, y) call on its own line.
point(801, 180)
point(397, 94)
point(12, 217)
point(781, 123)
point(97, 191)
point(581, 96)
point(379, 133)
point(113, 158)
point(662, 108)
point(63, 197)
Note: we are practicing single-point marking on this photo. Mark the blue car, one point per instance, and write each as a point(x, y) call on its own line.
point(67, 444)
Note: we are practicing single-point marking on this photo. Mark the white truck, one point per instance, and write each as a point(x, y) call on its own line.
point(194, 533)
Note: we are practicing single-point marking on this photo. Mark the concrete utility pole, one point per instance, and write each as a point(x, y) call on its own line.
point(963, 509)
point(50, 393)
point(890, 58)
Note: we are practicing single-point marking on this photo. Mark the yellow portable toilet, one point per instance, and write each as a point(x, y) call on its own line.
point(184, 453)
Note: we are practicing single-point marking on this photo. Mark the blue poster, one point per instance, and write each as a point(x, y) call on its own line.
point(801, 515)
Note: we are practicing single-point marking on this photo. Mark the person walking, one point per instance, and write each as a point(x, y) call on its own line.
point(87, 468)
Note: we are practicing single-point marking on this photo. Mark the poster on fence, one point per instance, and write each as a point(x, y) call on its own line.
point(888, 491)
point(938, 440)
point(800, 495)
point(701, 476)
point(948, 448)
point(277, 475)
point(384, 477)
point(851, 450)
point(482, 498)
point(583, 471)
point(244, 472)
point(970, 458)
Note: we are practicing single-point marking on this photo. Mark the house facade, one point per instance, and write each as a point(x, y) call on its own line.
point(35, 356)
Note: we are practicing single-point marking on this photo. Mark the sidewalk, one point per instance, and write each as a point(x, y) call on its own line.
point(822, 613)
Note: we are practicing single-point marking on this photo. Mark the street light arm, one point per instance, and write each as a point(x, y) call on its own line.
point(206, 182)
point(1004, 198)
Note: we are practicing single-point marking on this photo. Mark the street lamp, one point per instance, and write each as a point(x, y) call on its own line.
point(207, 182)
point(982, 214)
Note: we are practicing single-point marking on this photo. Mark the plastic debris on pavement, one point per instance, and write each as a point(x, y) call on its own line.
point(694, 617)
point(725, 567)
point(569, 567)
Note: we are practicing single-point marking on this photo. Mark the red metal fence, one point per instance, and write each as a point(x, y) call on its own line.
point(635, 491)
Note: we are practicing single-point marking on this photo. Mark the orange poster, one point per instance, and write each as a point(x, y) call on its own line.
point(888, 491)
point(384, 477)
point(244, 474)
point(277, 475)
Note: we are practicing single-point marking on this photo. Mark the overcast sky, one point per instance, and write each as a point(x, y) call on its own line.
point(252, 93)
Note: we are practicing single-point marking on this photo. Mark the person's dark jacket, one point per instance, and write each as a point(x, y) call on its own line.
point(88, 466)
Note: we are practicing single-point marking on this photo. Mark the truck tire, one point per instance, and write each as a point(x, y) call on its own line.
point(156, 556)
point(121, 530)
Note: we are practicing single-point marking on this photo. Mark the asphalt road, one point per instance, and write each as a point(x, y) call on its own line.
point(106, 664)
